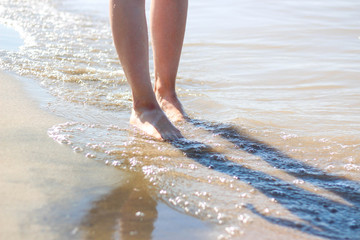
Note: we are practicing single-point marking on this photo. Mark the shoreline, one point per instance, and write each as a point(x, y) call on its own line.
point(35, 171)
point(286, 132)
point(50, 192)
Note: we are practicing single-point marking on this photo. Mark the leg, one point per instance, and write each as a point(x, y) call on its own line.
point(128, 23)
point(168, 20)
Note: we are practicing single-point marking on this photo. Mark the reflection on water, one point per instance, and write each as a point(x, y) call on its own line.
point(128, 212)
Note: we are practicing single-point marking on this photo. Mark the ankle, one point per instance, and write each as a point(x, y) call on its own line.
point(164, 90)
point(165, 94)
point(143, 106)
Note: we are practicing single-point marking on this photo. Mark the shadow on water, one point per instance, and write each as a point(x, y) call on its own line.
point(129, 211)
point(347, 189)
point(320, 216)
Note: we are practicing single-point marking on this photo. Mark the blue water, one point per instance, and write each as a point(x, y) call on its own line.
point(9, 39)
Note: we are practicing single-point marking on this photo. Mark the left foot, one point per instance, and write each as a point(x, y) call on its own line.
point(172, 107)
point(154, 123)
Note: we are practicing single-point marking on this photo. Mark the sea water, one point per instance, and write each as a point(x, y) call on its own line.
point(272, 88)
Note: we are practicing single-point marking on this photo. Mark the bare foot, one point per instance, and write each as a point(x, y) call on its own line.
point(172, 107)
point(154, 123)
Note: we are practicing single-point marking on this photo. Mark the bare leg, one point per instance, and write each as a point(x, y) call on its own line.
point(128, 23)
point(168, 20)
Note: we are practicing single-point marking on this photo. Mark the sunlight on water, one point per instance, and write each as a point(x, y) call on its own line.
point(73, 58)
point(275, 87)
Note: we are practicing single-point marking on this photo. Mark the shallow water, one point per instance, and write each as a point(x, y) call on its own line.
point(273, 90)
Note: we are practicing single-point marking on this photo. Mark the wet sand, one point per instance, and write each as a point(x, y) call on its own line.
point(50, 192)
point(36, 172)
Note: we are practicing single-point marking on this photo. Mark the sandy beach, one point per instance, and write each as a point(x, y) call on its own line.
point(37, 172)
point(47, 190)
point(272, 144)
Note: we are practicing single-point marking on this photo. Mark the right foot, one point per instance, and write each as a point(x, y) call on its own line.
point(154, 123)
